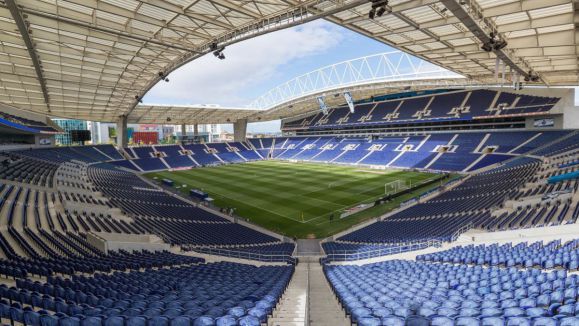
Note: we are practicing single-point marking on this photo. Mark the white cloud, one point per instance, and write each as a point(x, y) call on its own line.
point(208, 80)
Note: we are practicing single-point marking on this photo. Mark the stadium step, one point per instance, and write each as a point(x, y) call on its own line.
point(291, 310)
point(309, 298)
point(324, 308)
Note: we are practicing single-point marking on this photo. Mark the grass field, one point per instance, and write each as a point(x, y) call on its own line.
point(296, 199)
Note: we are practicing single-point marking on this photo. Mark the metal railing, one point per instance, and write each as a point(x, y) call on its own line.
point(461, 230)
point(350, 255)
point(276, 257)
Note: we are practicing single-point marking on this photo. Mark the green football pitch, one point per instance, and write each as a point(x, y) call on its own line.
point(302, 200)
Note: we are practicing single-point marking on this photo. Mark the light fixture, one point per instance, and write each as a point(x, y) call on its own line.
point(378, 8)
point(500, 45)
point(487, 47)
point(381, 11)
point(162, 76)
point(219, 53)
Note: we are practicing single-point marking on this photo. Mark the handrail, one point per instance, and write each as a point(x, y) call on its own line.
point(461, 230)
point(232, 253)
point(308, 295)
point(349, 255)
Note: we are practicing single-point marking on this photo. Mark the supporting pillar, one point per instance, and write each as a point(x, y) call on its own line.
point(240, 130)
point(183, 133)
point(122, 136)
point(196, 131)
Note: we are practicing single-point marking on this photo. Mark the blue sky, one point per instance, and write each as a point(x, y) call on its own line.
point(253, 67)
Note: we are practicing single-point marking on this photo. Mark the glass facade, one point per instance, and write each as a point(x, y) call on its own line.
point(67, 125)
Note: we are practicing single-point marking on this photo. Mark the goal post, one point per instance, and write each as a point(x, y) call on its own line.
point(395, 186)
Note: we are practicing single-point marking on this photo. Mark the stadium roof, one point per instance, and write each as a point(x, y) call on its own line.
point(190, 114)
point(94, 59)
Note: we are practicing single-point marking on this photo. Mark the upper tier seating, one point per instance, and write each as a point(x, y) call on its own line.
point(458, 105)
point(89, 154)
point(25, 124)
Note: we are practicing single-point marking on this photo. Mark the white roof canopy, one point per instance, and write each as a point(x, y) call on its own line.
point(94, 59)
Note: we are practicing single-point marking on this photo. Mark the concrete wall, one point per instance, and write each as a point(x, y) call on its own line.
point(129, 242)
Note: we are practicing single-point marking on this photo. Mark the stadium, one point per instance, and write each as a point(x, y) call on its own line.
point(434, 184)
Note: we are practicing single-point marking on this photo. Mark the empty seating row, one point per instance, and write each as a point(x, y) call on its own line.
point(201, 293)
point(550, 255)
point(402, 292)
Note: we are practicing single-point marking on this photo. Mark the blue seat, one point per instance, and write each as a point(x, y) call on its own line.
point(48, 320)
point(262, 314)
point(381, 312)
point(181, 321)
point(544, 321)
point(369, 321)
point(491, 312)
point(393, 321)
point(417, 321)
point(441, 321)
point(158, 321)
point(518, 321)
point(513, 312)
point(248, 321)
point(69, 321)
point(16, 314)
point(569, 321)
point(204, 321)
point(536, 312)
point(467, 321)
point(469, 312)
point(492, 321)
point(114, 321)
point(426, 312)
point(136, 321)
point(91, 321)
point(567, 310)
point(31, 318)
point(226, 321)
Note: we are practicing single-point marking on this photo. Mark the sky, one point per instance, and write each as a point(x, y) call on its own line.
point(255, 66)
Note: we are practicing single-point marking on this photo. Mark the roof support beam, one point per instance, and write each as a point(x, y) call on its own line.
point(482, 31)
point(23, 29)
point(103, 29)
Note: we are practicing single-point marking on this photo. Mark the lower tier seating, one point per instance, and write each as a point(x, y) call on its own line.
point(201, 294)
point(551, 255)
point(401, 292)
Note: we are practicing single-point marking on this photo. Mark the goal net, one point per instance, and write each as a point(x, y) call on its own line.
point(395, 186)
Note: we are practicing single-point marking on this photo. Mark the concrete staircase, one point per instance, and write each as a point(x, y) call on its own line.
point(292, 308)
point(309, 300)
point(324, 308)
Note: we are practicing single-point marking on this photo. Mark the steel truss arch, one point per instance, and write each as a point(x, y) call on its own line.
point(395, 66)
